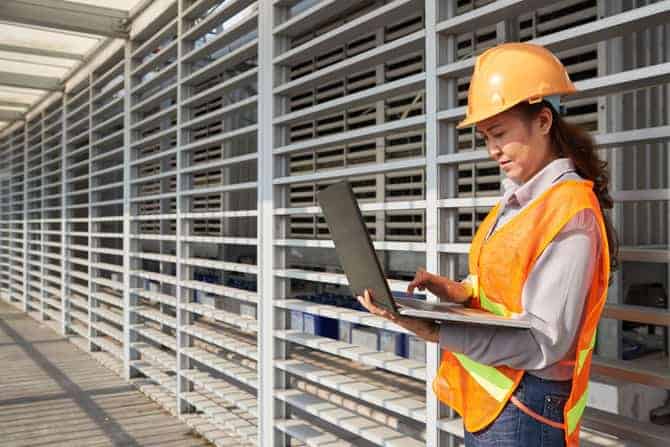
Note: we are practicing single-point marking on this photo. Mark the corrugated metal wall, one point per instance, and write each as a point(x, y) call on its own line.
point(162, 212)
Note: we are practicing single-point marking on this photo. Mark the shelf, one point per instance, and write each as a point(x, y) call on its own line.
point(155, 297)
point(223, 339)
point(157, 356)
point(361, 354)
point(243, 322)
point(399, 395)
point(108, 346)
point(354, 423)
point(229, 393)
point(156, 336)
point(310, 434)
point(230, 292)
point(340, 313)
point(156, 316)
point(229, 368)
point(215, 408)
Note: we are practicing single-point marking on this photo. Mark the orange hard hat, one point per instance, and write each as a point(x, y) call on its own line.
point(511, 73)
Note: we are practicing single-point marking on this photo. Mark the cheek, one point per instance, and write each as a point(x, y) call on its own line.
point(516, 150)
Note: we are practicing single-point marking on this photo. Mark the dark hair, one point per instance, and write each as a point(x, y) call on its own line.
point(571, 141)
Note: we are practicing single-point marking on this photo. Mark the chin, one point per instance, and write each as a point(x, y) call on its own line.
point(514, 176)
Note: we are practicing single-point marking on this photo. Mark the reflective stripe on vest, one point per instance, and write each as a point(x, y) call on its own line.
point(581, 358)
point(498, 309)
point(575, 413)
point(497, 384)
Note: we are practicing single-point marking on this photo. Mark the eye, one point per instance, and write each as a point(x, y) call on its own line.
point(498, 135)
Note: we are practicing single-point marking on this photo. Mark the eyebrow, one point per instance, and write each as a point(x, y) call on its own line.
point(489, 129)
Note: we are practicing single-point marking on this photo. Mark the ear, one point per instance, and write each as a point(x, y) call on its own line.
point(544, 121)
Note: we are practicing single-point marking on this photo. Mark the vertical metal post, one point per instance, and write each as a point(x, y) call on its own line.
point(265, 221)
point(25, 216)
point(442, 96)
point(92, 287)
point(610, 114)
point(63, 218)
point(432, 196)
point(183, 316)
point(128, 353)
point(42, 224)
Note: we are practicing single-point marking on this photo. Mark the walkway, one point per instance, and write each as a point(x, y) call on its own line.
point(52, 394)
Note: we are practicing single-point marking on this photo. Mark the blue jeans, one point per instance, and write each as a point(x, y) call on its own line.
point(513, 428)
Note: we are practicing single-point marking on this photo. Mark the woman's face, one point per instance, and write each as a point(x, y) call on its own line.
point(520, 147)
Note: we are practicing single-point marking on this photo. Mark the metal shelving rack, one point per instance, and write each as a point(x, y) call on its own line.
point(217, 219)
point(52, 212)
point(162, 212)
point(17, 254)
point(33, 185)
point(76, 214)
point(107, 158)
point(152, 79)
point(5, 207)
point(345, 107)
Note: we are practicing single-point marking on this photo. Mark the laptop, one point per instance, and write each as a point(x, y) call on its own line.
point(363, 270)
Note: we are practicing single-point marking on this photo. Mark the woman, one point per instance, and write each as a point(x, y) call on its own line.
point(544, 253)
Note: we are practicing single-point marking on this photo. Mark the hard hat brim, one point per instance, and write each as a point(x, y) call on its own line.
point(472, 120)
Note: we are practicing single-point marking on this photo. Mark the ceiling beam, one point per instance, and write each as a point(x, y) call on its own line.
point(67, 16)
point(14, 104)
point(41, 52)
point(21, 80)
point(10, 115)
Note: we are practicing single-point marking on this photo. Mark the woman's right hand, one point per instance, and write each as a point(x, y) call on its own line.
point(444, 288)
point(422, 280)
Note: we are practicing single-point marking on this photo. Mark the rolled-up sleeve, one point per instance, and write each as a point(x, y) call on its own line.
point(553, 298)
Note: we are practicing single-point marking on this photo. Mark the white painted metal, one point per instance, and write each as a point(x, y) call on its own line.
point(192, 193)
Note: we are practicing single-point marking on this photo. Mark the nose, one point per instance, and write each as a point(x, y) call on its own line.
point(494, 150)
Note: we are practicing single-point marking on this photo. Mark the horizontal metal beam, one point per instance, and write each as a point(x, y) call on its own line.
point(487, 15)
point(14, 104)
point(40, 52)
point(67, 16)
point(589, 33)
point(21, 80)
point(10, 115)
point(637, 314)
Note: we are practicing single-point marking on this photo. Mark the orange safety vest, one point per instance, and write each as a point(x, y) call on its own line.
point(499, 267)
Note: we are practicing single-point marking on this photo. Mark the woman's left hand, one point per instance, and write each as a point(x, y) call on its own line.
point(366, 301)
point(425, 329)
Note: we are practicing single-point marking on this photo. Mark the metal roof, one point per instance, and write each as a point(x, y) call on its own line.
point(42, 42)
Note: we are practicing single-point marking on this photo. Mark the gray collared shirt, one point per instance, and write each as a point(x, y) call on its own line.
point(553, 295)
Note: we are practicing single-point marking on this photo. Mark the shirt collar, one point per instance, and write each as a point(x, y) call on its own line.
point(540, 182)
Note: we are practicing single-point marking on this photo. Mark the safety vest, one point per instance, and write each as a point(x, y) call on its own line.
point(499, 267)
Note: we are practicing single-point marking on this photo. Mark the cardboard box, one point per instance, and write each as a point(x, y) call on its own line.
point(321, 326)
point(365, 336)
point(416, 349)
point(296, 320)
point(392, 342)
point(344, 331)
point(248, 310)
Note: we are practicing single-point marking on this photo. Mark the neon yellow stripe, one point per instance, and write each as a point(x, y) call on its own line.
point(494, 308)
point(575, 413)
point(493, 381)
point(472, 283)
point(583, 353)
